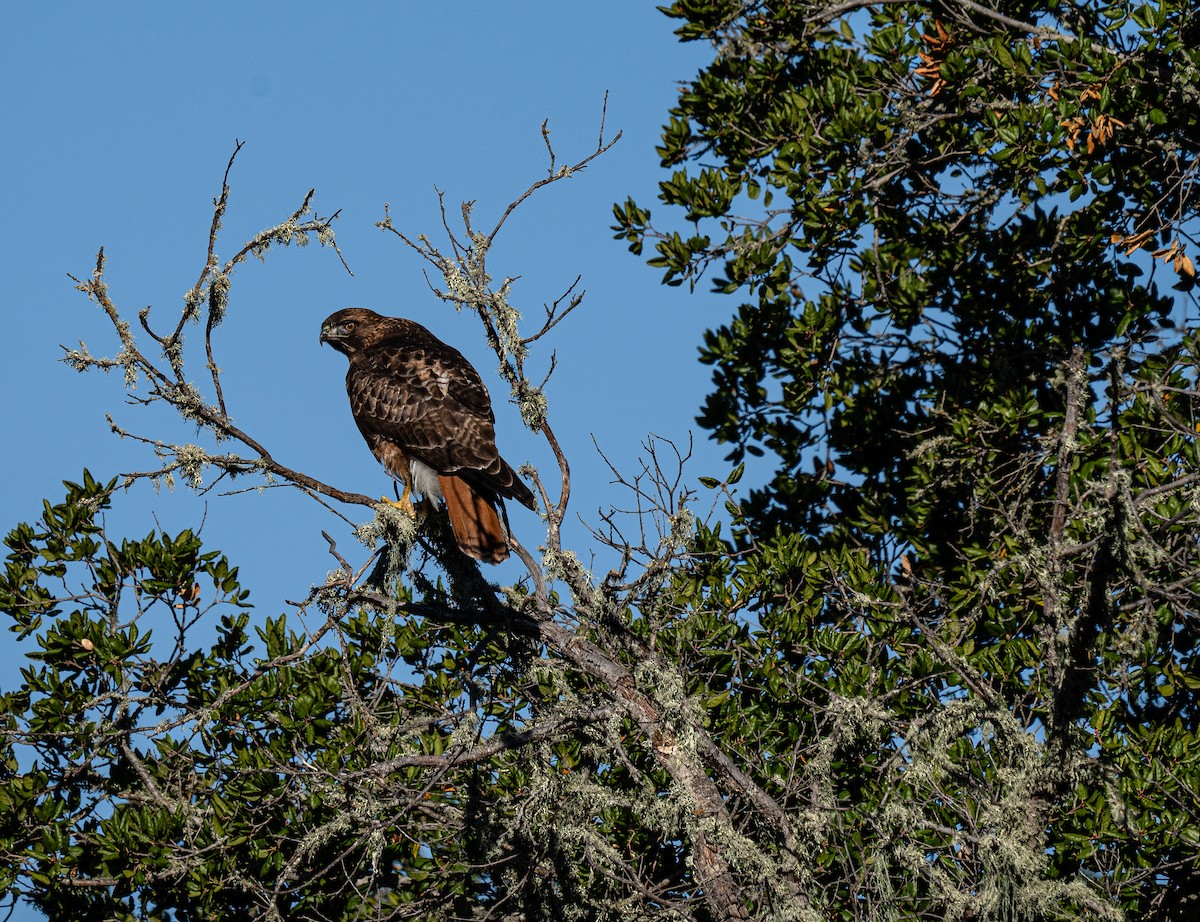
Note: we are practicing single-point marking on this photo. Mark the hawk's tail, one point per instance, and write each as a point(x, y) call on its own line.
point(476, 524)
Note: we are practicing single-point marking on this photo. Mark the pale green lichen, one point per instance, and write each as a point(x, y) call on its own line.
point(218, 296)
point(325, 235)
point(192, 460)
point(192, 299)
point(681, 530)
point(125, 333)
point(1004, 833)
point(457, 286)
point(465, 732)
point(507, 321)
point(82, 360)
point(397, 530)
point(390, 522)
point(532, 403)
point(173, 352)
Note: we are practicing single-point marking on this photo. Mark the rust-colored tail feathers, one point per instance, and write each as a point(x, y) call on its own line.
point(476, 524)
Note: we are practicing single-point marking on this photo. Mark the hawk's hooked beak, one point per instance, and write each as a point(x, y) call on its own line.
point(331, 335)
point(340, 335)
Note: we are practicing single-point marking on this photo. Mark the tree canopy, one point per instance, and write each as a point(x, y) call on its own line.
point(936, 662)
point(967, 354)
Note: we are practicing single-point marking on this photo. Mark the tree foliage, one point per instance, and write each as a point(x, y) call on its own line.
point(938, 664)
point(962, 233)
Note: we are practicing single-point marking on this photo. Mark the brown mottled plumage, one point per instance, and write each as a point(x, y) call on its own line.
point(427, 417)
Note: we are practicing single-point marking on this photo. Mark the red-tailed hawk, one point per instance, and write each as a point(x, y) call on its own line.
point(427, 417)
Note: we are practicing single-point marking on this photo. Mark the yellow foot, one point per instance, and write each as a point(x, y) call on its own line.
point(404, 504)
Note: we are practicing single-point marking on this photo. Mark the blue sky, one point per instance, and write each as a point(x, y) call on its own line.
point(119, 120)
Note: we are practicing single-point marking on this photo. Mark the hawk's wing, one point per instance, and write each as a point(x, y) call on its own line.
point(432, 405)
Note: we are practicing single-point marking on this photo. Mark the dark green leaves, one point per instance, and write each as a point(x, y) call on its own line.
point(955, 345)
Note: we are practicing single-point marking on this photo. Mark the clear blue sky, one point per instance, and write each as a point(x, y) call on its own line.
point(119, 119)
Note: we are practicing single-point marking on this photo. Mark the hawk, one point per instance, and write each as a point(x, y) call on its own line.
point(426, 416)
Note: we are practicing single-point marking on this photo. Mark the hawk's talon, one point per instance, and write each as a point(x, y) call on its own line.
point(404, 503)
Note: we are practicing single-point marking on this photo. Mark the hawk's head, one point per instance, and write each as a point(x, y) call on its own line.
point(351, 329)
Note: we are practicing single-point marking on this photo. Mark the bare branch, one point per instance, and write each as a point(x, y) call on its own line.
point(554, 175)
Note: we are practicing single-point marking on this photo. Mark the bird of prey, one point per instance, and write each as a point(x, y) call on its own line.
point(426, 416)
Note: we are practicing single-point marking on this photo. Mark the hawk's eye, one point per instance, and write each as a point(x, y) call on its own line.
point(349, 325)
